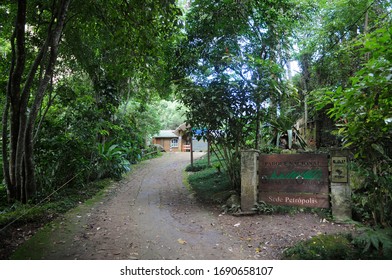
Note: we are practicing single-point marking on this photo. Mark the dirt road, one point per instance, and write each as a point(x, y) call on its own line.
point(152, 215)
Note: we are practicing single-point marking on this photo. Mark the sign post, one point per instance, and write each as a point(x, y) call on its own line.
point(340, 187)
point(339, 169)
point(294, 180)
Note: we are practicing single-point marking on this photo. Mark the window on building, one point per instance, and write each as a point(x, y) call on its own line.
point(174, 143)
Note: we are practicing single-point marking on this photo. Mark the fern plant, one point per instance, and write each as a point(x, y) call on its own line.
point(375, 243)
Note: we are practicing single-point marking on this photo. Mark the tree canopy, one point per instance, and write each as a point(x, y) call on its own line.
point(117, 48)
point(232, 76)
point(232, 63)
point(83, 84)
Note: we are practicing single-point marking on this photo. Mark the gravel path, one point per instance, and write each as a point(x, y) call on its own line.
point(151, 215)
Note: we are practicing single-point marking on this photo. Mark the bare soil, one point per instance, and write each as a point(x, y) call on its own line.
point(152, 215)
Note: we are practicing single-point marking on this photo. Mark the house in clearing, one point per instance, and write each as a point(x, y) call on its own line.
point(168, 140)
point(178, 140)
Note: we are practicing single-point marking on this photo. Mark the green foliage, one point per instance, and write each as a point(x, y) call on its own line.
point(362, 111)
point(171, 114)
point(113, 53)
point(45, 208)
point(322, 247)
point(375, 243)
point(151, 151)
point(231, 70)
point(138, 121)
point(372, 200)
point(195, 168)
point(263, 208)
point(324, 57)
point(202, 163)
point(371, 244)
point(112, 162)
point(232, 205)
point(210, 186)
point(67, 136)
point(127, 42)
point(270, 149)
point(283, 126)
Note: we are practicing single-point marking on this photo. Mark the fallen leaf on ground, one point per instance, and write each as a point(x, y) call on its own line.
point(181, 241)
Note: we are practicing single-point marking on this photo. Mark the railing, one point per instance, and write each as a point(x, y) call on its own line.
point(187, 148)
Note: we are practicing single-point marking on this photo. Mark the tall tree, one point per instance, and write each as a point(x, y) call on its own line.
point(122, 45)
point(346, 69)
point(234, 55)
point(31, 71)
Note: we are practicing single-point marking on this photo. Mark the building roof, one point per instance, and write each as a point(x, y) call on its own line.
point(166, 134)
point(182, 127)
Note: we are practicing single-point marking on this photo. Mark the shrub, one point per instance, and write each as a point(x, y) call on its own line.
point(322, 247)
point(374, 243)
point(112, 162)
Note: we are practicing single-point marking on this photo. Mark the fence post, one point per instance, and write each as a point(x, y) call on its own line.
point(249, 179)
point(340, 186)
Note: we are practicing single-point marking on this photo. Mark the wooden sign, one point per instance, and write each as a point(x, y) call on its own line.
point(339, 173)
point(294, 180)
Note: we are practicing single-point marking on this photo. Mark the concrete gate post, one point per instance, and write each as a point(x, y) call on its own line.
point(340, 186)
point(249, 179)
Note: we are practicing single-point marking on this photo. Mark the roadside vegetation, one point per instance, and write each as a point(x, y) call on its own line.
point(46, 206)
point(211, 186)
point(85, 84)
point(19, 221)
point(234, 82)
point(366, 244)
point(79, 103)
point(209, 183)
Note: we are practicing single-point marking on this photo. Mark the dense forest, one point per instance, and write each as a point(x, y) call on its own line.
point(85, 84)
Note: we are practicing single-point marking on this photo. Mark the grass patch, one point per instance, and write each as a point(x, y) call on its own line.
point(209, 183)
point(323, 247)
point(56, 231)
point(202, 164)
point(370, 244)
point(58, 203)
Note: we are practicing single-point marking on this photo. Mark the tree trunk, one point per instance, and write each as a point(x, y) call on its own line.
point(18, 162)
point(11, 191)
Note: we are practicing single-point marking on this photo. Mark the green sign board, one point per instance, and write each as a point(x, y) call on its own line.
point(294, 180)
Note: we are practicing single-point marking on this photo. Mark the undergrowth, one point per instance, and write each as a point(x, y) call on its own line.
point(50, 203)
point(209, 183)
point(46, 208)
point(267, 209)
point(323, 247)
point(369, 244)
point(202, 164)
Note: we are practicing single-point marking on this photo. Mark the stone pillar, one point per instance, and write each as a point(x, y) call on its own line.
point(340, 186)
point(249, 180)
